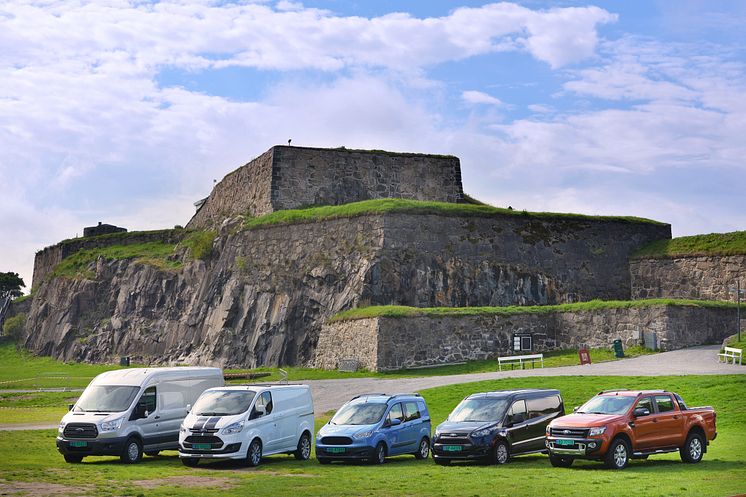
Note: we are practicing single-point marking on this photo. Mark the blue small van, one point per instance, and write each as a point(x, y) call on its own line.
point(371, 427)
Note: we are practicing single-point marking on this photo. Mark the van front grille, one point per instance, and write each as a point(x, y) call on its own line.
point(336, 441)
point(80, 430)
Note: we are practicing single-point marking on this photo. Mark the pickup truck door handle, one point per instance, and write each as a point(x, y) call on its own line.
point(676, 416)
point(655, 420)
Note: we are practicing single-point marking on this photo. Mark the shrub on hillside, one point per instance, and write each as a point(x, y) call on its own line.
point(13, 327)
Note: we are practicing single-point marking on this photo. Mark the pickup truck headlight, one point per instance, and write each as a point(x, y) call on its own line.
point(363, 434)
point(597, 431)
point(232, 429)
point(112, 425)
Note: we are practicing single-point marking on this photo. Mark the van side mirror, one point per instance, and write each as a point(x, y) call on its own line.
point(395, 422)
point(641, 411)
point(575, 409)
point(70, 407)
point(262, 410)
point(189, 408)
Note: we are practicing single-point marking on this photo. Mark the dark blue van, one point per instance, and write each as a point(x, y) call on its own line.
point(373, 426)
point(495, 426)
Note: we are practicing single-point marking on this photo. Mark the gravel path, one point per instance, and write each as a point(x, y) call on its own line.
point(330, 394)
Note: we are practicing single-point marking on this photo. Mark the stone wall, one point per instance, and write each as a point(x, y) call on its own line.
point(292, 177)
point(700, 277)
point(431, 261)
point(247, 190)
point(47, 259)
point(395, 343)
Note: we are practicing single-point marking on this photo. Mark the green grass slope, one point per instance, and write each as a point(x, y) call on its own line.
point(733, 243)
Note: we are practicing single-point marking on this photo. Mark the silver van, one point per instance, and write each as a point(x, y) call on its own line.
point(130, 411)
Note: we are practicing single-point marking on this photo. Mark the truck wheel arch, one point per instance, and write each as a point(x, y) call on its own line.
point(699, 431)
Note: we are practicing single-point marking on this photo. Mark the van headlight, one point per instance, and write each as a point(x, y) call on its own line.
point(61, 428)
point(483, 432)
point(597, 431)
point(182, 429)
point(112, 425)
point(233, 428)
point(363, 434)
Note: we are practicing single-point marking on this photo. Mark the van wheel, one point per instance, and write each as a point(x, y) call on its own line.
point(379, 456)
point(132, 451)
point(424, 449)
point(254, 454)
point(190, 462)
point(73, 459)
point(152, 453)
point(501, 454)
point(442, 462)
point(304, 448)
point(560, 461)
point(324, 461)
point(693, 449)
point(617, 456)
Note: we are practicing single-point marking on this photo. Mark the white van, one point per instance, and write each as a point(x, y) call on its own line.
point(248, 422)
point(130, 411)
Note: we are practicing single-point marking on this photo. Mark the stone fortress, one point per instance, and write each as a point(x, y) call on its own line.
point(269, 290)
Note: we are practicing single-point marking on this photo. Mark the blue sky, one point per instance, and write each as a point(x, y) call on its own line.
point(125, 112)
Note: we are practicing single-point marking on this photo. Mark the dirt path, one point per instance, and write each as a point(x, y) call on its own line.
point(330, 394)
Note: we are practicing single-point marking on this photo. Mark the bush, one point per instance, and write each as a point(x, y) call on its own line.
point(13, 327)
point(200, 243)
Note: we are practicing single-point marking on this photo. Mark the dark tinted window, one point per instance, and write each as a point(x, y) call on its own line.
point(517, 412)
point(682, 405)
point(665, 403)
point(396, 413)
point(411, 412)
point(543, 406)
point(647, 403)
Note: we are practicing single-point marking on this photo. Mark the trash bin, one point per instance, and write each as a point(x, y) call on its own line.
point(618, 348)
point(124, 361)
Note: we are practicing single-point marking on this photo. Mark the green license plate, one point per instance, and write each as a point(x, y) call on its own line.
point(202, 446)
point(452, 448)
point(78, 444)
point(336, 450)
point(564, 442)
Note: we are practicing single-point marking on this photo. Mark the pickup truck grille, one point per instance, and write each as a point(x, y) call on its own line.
point(80, 430)
point(336, 441)
point(569, 432)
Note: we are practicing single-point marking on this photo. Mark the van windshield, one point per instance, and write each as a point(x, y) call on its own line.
point(479, 410)
point(359, 414)
point(106, 398)
point(223, 402)
point(607, 404)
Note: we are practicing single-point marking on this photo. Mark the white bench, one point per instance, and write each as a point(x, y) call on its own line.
point(731, 353)
point(519, 359)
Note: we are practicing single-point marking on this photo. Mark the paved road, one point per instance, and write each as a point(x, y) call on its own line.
point(330, 394)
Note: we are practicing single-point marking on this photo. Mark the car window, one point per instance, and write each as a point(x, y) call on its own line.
point(265, 399)
point(396, 413)
point(664, 402)
point(411, 412)
point(647, 403)
point(148, 400)
point(517, 412)
point(542, 406)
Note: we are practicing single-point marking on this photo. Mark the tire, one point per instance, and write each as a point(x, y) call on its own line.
point(323, 460)
point(617, 457)
point(501, 453)
point(254, 453)
point(303, 452)
point(442, 462)
point(693, 449)
point(152, 453)
point(560, 461)
point(73, 458)
point(379, 454)
point(190, 462)
point(132, 453)
point(424, 449)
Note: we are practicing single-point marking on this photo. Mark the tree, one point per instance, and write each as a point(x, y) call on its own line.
point(10, 285)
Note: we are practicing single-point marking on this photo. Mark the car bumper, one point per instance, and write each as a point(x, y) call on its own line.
point(228, 451)
point(583, 447)
point(93, 446)
point(332, 452)
point(466, 451)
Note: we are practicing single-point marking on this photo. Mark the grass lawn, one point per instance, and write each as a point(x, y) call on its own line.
point(732, 243)
point(38, 468)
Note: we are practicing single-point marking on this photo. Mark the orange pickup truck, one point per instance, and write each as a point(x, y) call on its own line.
point(617, 425)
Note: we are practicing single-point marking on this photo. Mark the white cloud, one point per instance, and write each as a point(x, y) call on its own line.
point(478, 97)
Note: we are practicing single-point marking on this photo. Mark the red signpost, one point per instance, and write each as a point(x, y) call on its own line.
point(585, 356)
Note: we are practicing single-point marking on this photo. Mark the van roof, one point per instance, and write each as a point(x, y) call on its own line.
point(140, 376)
point(258, 387)
point(382, 397)
point(511, 393)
